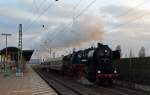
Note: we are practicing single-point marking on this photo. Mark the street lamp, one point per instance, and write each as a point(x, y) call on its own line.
point(6, 35)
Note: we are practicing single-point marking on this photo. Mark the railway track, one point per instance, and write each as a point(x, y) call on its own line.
point(116, 90)
point(64, 88)
point(70, 87)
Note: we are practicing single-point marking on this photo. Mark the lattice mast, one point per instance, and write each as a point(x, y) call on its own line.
point(20, 48)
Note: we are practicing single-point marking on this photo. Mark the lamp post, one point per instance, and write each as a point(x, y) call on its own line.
point(6, 35)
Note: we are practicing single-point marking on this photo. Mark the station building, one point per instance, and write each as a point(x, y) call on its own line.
point(9, 57)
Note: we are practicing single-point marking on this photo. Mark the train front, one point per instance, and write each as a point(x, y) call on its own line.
point(103, 57)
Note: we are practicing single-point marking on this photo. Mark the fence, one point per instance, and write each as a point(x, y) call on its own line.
point(135, 70)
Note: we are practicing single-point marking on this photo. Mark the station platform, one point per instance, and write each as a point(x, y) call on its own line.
point(28, 84)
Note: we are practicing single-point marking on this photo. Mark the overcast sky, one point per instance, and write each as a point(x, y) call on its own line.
point(113, 22)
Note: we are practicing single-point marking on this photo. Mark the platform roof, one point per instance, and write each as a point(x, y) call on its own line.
point(26, 53)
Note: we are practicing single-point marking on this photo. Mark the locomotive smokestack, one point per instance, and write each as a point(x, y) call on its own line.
point(99, 44)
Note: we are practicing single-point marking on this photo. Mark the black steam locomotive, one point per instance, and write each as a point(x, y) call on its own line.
point(95, 64)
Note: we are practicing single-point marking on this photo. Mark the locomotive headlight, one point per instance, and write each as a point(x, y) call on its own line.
point(98, 71)
point(115, 71)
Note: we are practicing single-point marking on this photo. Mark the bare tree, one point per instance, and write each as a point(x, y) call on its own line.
point(125, 56)
point(118, 47)
point(142, 52)
point(131, 54)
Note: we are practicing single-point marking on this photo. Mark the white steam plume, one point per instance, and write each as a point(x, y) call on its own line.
point(85, 29)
